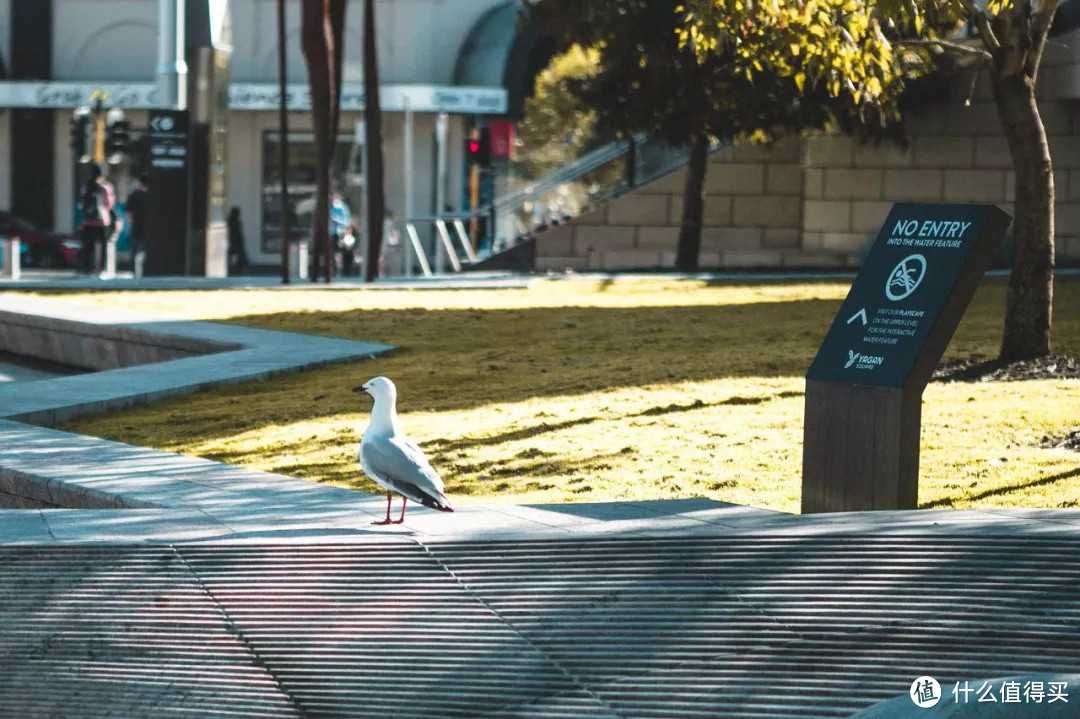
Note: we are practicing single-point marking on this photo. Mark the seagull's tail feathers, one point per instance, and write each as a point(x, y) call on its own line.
point(439, 502)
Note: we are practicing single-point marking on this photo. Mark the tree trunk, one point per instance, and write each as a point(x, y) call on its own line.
point(336, 42)
point(315, 32)
point(1031, 283)
point(283, 145)
point(376, 199)
point(689, 249)
point(337, 31)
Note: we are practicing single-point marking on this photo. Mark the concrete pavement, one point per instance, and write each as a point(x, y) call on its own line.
point(159, 585)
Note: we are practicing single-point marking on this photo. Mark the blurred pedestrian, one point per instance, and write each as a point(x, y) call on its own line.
point(392, 255)
point(136, 209)
point(349, 248)
point(340, 218)
point(238, 259)
point(98, 221)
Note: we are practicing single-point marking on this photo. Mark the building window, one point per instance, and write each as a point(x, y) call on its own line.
point(345, 177)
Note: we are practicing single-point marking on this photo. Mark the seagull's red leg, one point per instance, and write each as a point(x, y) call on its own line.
point(402, 517)
point(387, 520)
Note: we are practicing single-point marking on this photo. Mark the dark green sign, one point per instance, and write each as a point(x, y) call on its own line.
point(914, 285)
point(167, 236)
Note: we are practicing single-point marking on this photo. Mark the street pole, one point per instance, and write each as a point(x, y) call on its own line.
point(492, 215)
point(99, 127)
point(172, 68)
point(407, 154)
point(360, 139)
point(474, 204)
point(442, 121)
point(283, 144)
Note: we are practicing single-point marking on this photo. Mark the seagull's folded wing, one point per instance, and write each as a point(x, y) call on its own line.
point(401, 465)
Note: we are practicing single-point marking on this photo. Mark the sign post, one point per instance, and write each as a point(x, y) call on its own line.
point(864, 388)
point(167, 210)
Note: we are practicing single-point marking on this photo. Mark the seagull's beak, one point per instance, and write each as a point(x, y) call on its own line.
point(359, 388)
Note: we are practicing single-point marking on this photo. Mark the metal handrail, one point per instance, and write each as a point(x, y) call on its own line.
point(418, 249)
point(590, 162)
point(566, 173)
point(445, 249)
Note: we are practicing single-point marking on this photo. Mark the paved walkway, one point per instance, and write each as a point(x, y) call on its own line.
point(258, 353)
point(59, 280)
point(152, 584)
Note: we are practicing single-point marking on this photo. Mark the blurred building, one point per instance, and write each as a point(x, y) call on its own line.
point(463, 59)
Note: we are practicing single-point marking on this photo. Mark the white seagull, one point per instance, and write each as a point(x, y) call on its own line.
point(392, 459)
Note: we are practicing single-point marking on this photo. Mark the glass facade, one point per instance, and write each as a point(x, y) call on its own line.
point(346, 177)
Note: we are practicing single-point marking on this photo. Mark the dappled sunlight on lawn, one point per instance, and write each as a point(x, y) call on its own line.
point(687, 439)
point(980, 444)
point(581, 391)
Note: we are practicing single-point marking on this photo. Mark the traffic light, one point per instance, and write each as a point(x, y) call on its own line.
point(117, 135)
point(472, 151)
point(478, 150)
point(80, 134)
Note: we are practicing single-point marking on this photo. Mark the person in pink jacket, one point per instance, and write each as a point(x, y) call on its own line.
point(98, 219)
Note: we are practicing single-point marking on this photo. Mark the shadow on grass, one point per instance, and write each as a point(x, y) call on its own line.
point(698, 404)
point(463, 359)
point(469, 358)
point(464, 443)
point(527, 476)
point(454, 445)
point(948, 502)
point(530, 470)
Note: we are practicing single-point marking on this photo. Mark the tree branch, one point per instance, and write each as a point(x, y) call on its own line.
point(982, 24)
point(1043, 18)
point(951, 47)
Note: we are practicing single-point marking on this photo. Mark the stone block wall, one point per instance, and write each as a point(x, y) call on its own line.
point(818, 202)
point(957, 154)
point(752, 217)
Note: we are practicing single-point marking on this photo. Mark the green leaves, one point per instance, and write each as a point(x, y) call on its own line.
point(732, 68)
point(557, 126)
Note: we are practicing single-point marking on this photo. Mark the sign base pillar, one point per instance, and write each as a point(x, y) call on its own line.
point(860, 448)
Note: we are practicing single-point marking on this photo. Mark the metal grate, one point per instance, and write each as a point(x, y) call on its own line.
point(659, 628)
point(787, 627)
point(377, 630)
point(120, 632)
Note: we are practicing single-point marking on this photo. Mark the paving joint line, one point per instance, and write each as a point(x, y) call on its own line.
point(573, 677)
point(44, 521)
point(235, 630)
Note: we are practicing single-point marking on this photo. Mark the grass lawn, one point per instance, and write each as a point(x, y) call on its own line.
point(597, 390)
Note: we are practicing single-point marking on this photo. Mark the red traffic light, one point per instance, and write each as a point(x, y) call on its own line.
point(478, 149)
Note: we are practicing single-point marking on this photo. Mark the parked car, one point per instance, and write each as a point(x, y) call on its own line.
point(40, 248)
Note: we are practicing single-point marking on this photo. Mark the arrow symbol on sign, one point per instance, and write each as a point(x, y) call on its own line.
point(861, 314)
point(162, 123)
